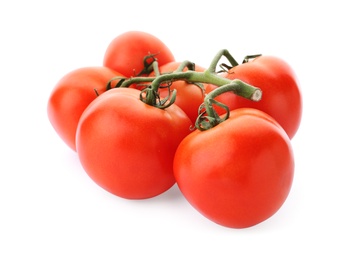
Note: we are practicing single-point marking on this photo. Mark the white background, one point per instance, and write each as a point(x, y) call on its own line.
point(50, 209)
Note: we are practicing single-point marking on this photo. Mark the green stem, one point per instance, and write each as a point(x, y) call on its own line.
point(191, 76)
point(130, 81)
point(150, 94)
point(208, 117)
point(148, 64)
point(208, 76)
point(250, 57)
point(186, 64)
point(217, 58)
point(155, 66)
point(240, 88)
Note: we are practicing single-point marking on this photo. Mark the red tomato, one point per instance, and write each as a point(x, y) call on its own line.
point(126, 52)
point(71, 95)
point(281, 94)
point(239, 172)
point(127, 147)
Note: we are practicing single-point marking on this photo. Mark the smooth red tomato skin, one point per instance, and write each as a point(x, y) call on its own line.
point(238, 173)
point(281, 98)
point(126, 52)
point(71, 95)
point(127, 147)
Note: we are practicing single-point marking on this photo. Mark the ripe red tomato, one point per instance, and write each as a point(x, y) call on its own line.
point(281, 93)
point(71, 95)
point(126, 52)
point(239, 172)
point(127, 147)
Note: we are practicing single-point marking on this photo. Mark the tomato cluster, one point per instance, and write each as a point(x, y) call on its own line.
point(143, 121)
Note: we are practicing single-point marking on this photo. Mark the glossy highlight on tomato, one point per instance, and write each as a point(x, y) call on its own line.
point(282, 98)
point(127, 147)
point(238, 173)
point(72, 94)
point(126, 52)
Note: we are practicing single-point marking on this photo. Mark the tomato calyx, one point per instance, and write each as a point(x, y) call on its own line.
point(148, 62)
point(226, 67)
point(250, 57)
point(209, 118)
point(151, 97)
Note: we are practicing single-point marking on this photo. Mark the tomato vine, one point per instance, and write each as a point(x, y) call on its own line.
point(170, 122)
point(150, 94)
